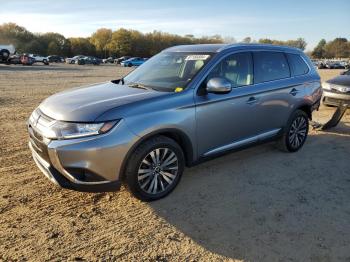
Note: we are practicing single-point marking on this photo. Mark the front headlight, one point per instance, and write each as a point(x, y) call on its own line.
point(68, 130)
point(326, 85)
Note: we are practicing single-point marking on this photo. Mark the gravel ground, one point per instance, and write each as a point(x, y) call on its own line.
point(254, 205)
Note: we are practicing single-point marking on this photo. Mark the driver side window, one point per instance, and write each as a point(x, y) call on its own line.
point(236, 68)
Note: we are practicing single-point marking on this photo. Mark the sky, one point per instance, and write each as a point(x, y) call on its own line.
point(275, 19)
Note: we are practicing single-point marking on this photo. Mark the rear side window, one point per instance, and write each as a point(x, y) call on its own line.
point(270, 66)
point(297, 65)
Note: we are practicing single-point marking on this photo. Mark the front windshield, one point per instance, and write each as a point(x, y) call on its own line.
point(168, 71)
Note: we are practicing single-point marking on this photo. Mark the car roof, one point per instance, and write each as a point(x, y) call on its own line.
point(216, 48)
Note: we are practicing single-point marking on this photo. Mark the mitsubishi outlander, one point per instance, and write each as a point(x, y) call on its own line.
point(184, 105)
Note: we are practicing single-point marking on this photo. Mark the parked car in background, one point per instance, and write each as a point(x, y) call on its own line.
point(337, 90)
point(74, 59)
point(55, 59)
point(335, 65)
point(121, 59)
point(109, 60)
point(39, 58)
point(134, 61)
point(89, 60)
point(21, 59)
point(6, 51)
point(186, 104)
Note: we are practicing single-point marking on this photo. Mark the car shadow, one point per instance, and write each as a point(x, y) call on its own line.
point(264, 205)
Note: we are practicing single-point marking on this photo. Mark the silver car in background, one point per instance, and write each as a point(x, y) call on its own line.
point(184, 105)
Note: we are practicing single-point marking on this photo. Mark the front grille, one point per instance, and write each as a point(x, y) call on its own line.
point(36, 121)
point(332, 100)
point(38, 145)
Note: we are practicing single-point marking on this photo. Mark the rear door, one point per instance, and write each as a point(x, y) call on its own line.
point(274, 89)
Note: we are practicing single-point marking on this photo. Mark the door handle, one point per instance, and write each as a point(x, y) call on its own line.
point(252, 100)
point(294, 92)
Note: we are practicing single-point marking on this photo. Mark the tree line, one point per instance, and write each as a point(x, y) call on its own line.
point(106, 42)
point(337, 48)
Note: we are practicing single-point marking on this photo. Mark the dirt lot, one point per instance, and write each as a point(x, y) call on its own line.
point(255, 205)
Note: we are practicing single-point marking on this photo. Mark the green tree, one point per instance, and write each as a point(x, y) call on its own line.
point(319, 50)
point(338, 48)
point(298, 43)
point(81, 46)
point(11, 33)
point(121, 42)
point(101, 40)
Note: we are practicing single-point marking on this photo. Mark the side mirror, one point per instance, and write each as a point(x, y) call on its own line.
point(218, 85)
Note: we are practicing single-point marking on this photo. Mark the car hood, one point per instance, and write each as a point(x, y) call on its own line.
point(87, 103)
point(342, 80)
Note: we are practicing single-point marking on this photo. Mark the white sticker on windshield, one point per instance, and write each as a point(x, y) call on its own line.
point(197, 57)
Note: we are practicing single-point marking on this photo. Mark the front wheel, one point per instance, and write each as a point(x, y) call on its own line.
point(295, 133)
point(155, 168)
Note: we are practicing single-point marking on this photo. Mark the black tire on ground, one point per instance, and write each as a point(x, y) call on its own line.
point(4, 55)
point(129, 65)
point(45, 62)
point(295, 132)
point(137, 161)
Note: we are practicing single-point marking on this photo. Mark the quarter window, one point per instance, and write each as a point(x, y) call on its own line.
point(236, 68)
point(270, 66)
point(297, 65)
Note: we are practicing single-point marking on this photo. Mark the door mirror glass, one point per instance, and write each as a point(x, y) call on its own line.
point(218, 85)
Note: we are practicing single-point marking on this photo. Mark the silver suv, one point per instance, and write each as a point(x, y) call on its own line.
point(184, 105)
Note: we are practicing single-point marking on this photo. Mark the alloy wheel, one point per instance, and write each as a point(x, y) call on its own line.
point(158, 170)
point(297, 132)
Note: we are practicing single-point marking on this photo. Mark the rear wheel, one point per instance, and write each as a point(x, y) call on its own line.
point(155, 168)
point(295, 133)
point(4, 55)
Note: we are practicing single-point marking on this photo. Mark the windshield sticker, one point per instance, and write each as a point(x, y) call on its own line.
point(197, 57)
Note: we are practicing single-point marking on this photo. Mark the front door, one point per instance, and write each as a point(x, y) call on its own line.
point(227, 120)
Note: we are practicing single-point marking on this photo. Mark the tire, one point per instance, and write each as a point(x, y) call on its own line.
point(129, 65)
point(4, 55)
point(295, 133)
point(45, 62)
point(161, 179)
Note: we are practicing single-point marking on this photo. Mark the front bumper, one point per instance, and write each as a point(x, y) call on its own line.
point(57, 178)
point(335, 98)
point(90, 164)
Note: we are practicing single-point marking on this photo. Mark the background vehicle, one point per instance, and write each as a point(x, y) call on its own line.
point(6, 51)
point(335, 65)
point(337, 90)
point(134, 61)
point(88, 60)
point(39, 58)
point(109, 60)
point(121, 59)
point(21, 59)
point(74, 59)
point(55, 59)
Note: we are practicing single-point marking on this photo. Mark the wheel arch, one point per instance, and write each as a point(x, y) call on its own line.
point(307, 109)
point(177, 135)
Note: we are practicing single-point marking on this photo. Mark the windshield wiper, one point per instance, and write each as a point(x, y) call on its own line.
point(136, 85)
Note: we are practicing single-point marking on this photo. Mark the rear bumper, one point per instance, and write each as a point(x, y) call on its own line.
point(335, 98)
point(57, 178)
